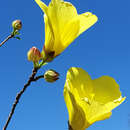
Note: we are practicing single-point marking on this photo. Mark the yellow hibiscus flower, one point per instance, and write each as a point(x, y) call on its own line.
point(62, 25)
point(89, 100)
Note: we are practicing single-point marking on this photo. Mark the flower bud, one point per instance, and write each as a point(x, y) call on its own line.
point(17, 24)
point(34, 54)
point(51, 76)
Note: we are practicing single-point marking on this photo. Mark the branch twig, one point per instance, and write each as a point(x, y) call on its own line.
point(31, 79)
point(38, 77)
point(9, 37)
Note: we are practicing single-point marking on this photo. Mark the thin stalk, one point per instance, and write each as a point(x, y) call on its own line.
point(31, 79)
point(9, 37)
point(18, 96)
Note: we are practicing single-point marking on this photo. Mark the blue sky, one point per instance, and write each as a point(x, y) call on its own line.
point(102, 50)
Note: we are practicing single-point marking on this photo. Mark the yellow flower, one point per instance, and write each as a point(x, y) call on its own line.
point(89, 100)
point(63, 24)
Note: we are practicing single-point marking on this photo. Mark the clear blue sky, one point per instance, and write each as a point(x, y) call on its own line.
point(102, 50)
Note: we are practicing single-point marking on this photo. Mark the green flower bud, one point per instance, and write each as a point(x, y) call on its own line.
point(34, 54)
point(17, 25)
point(51, 76)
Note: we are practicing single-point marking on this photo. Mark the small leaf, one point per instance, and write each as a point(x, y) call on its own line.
point(18, 38)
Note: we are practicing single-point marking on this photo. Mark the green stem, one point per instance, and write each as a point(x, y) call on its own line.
point(43, 62)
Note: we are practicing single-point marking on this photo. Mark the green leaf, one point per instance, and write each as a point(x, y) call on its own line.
point(18, 38)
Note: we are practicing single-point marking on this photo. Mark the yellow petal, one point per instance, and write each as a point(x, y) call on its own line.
point(65, 38)
point(49, 36)
point(60, 13)
point(107, 96)
point(96, 98)
point(65, 27)
point(69, 33)
point(75, 111)
point(96, 111)
point(106, 89)
point(42, 5)
point(86, 21)
point(81, 82)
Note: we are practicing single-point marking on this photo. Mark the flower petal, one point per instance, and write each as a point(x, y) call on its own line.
point(69, 33)
point(86, 21)
point(49, 35)
point(75, 111)
point(81, 82)
point(42, 5)
point(96, 111)
point(65, 27)
point(106, 89)
point(96, 98)
point(106, 97)
point(60, 13)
